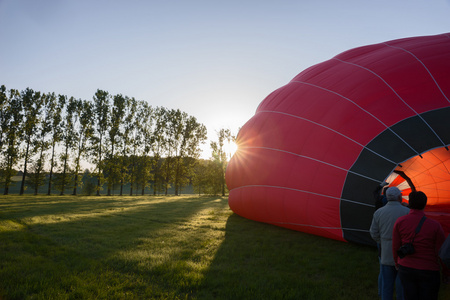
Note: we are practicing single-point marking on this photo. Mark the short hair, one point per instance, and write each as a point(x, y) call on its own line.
point(417, 200)
point(393, 193)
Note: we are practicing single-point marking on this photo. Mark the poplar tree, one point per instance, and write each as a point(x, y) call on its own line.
point(55, 118)
point(3, 108)
point(186, 135)
point(11, 124)
point(194, 134)
point(101, 123)
point(136, 140)
point(220, 156)
point(84, 112)
point(41, 145)
point(171, 137)
point(116, 120)
point(130, 113)
point(32, 105)
point(158, 147)
point(146, 129)
point(68, 141)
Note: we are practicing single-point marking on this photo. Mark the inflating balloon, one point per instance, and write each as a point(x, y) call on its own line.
point(316, 148)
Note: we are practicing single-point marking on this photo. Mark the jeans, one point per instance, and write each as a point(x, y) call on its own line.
point(420, 284)
point(390, 281)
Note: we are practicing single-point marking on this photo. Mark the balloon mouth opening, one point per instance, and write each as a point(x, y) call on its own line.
point(429, 173)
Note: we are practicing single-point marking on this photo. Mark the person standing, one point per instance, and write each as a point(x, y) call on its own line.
point(419, 271)
point(381, 228)
point(379, 195)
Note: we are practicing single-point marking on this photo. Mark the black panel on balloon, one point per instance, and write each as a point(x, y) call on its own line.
point(359, 189)
point(353, 214)
point(388, 145)
point(373, 166)
point(439, 120)
point(412, 128)
point(356, 219)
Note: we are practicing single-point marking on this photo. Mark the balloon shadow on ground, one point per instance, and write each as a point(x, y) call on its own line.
point(262, 261)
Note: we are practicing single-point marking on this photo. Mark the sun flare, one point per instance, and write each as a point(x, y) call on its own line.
point(230, 148)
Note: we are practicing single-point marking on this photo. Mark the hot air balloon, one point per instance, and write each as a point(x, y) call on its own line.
point(316, 148)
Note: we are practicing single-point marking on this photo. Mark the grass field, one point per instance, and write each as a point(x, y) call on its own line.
point(185, 247)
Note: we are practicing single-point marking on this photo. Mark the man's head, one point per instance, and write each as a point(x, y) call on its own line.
point(417, 200)
point(393, 194)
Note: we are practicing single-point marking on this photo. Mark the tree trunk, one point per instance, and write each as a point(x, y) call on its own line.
point(8, 176)
point(75, 186)
point(63, 187)
point(22, 185)
point(98, 183)
point(51, 171)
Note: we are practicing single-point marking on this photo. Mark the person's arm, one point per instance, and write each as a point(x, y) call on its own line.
point(375, 231)
point(396, 243)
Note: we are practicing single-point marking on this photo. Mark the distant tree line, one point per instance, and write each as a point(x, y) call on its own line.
point(49, 136)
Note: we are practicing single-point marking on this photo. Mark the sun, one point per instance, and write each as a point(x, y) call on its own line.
point(230, 148)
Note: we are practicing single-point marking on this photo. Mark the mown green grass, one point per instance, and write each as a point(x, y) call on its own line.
point(184, 247)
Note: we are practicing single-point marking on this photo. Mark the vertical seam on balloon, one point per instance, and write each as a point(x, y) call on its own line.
point(328, 128)
point(302, 191)
point(404, 102)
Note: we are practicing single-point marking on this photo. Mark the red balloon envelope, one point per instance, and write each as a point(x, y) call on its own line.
point(316, 148)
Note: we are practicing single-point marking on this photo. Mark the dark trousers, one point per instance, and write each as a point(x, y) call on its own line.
point(419, 284)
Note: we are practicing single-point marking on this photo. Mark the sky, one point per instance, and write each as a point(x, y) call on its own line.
point(215, 60)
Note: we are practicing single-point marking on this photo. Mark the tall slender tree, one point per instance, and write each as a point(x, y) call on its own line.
point(193, 135)
point(69, 137)
point(185, 137)
point(130, 113)
point(32, 105)
point(101, 115)
point(220, 155)
point(116, 122)
point(84, 112)
point(136, 142)
point(56, 108)
point(147, 128)
point(3, 115)
point(41, 145)
point(158, 146)
point(173, 120)
point(12, 124)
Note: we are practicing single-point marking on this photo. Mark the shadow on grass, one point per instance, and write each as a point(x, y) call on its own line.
point(261, 261)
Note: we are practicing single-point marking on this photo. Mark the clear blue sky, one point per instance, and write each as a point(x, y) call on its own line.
point(215, 60)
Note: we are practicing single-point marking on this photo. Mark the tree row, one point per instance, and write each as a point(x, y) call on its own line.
point(127, 141)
